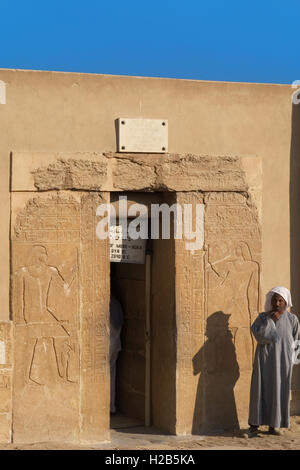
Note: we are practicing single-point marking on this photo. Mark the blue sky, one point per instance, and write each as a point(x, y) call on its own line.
point(247, 41)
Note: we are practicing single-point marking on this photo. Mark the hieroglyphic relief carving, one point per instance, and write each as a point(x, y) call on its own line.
point(232, 279)
point(60, 300)
point(45, 294)
point(232, 291)
point(231, 216)
point(93, 299)
point(5, 381)
point(47, 335)
point(55, 219)
point(233, 250)
point(189, 320)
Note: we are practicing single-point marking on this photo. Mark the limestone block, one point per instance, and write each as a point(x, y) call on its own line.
point(43, 171)
point(252, 167)
point(60, 311)
point(242, 396)
point(95, 288)
point(60, 271)
point(6, 345)
point(194, 172)
point(5, 391)
point(232, 273)
point(217, 298)
point(189, 285)
point(5, 428)
point(135, 172)
point(178, 173)
point(22, 165)
point(6, 361)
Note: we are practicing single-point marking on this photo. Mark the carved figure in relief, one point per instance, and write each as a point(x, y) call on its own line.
point(50, 341)
point(233, 287)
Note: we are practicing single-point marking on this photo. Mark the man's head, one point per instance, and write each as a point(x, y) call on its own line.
point(38, 255)
point(282, 298)
point(278, 303)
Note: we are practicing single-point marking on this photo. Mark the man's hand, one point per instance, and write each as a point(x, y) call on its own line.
point(275, 315)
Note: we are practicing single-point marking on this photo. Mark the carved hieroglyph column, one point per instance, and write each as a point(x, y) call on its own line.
point(6, 364)
point(189, 295)
point(60, 302)
point(217, 299)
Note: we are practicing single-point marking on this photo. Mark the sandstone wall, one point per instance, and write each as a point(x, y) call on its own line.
point(58, 133)
point(6, 378)
point(217, 299)
point(69, 112)
point(203, 301)
point(60, 296)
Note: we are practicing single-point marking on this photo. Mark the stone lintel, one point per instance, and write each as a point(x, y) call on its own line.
point(133, 172)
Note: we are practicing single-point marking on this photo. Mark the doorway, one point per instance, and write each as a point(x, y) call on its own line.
point(128, 286)
point(146, 365)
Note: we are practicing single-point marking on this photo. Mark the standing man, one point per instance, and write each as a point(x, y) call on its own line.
point(116, 322)
point(275, 331)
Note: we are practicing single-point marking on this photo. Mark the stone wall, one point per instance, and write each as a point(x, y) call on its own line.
point(60, 309)
point(70, 116)
point(203, 300)
point(6, 376)
point(217, 299)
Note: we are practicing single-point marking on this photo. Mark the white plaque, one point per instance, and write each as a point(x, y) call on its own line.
point(143, 135)
point(2, 353)
point(127, 250)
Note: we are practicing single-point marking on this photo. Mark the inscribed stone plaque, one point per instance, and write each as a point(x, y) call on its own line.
point(143, 135)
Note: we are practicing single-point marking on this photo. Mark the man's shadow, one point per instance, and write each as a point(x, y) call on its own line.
point(215, 407)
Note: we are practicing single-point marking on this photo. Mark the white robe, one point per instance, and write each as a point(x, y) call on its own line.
point(272, 369)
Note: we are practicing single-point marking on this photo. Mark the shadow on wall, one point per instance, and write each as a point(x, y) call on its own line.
point(217, 364)
point(295, 228)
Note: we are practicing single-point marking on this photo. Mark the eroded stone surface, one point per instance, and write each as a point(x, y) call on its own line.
point(232, 280)
point(190, 320)
point(218, 297)
point(6, 360)
point(60, 273)
point(70, 173)
point(194, 172)
point(125, 170)
point(60, 318)
point(94, 298)
point(130, 172)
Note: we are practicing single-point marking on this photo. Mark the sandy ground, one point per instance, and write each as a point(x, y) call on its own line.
point(141, 438)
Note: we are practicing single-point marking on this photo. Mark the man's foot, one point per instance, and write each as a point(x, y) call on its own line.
point(252, 432)
point(274, 431)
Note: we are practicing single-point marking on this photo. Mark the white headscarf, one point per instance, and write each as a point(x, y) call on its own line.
point(285, 294)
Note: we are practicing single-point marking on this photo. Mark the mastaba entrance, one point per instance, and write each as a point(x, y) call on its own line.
point(55, 374)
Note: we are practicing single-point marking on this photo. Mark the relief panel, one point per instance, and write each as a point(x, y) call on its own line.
point(232, 301)
point(51, 293)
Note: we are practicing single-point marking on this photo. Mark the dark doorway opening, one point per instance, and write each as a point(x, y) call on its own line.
point(146, 365)
point(128, 286)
